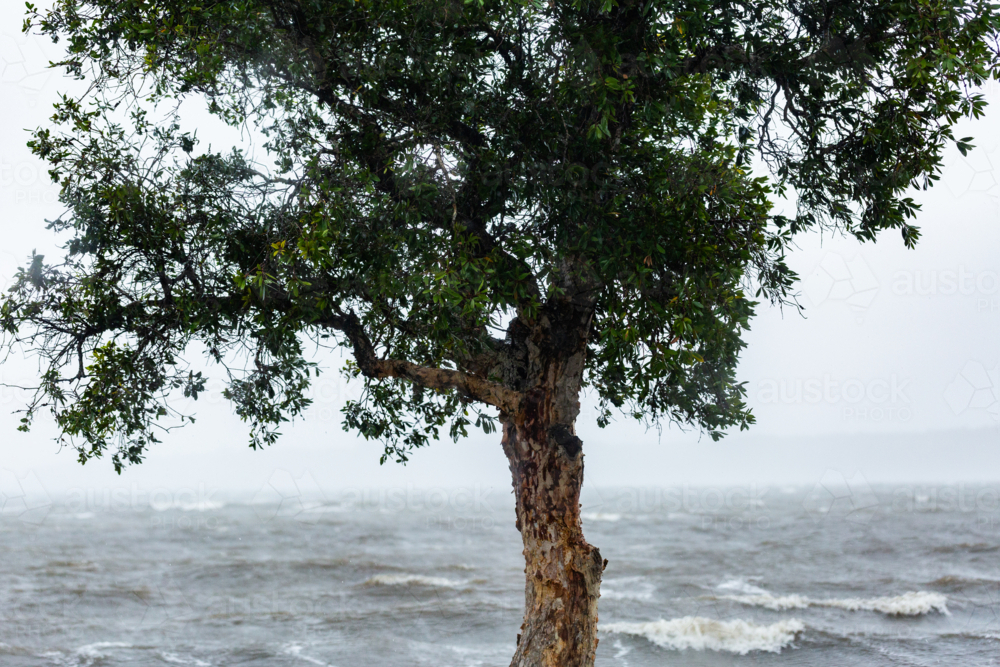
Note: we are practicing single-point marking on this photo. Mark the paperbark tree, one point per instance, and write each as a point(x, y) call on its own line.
point(493, 205)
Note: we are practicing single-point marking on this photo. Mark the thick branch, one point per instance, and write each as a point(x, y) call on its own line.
point(475, 387)
point(492, 393)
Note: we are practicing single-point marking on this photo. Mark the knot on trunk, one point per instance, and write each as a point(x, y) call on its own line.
point(570, 444)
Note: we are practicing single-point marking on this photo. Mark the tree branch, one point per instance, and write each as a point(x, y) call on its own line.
point(475, 387)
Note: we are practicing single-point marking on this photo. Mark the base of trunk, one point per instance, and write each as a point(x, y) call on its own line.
point(560, 618)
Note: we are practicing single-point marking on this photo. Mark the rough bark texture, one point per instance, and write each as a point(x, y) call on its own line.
point(563, 571)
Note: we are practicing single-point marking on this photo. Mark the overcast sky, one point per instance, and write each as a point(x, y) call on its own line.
point(894, 373)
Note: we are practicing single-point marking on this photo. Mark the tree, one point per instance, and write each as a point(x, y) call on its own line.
point(491, 204)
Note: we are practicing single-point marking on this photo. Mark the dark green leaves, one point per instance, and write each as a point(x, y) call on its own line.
point(432, 175)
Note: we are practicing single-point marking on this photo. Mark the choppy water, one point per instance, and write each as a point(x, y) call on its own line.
point(839, 574)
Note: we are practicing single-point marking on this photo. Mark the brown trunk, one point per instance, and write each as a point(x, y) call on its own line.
point(562, 571)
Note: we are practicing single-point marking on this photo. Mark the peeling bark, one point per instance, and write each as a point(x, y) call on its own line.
point(562, 571)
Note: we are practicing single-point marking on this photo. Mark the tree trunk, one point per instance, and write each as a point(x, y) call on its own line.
point(562, 571)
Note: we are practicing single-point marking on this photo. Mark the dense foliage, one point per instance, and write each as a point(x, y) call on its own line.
point(436, 172)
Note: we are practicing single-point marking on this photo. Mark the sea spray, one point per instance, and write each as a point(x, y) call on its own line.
point(697, 633)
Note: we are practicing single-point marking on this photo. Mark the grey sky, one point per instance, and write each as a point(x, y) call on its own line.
point(895, 371)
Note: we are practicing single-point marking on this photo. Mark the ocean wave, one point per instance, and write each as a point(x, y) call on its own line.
point(418, 579)
point(699, 634)
point(295, 651)
point(967, 547)
point(627, 588)
point(952, 582)
point(81, 565)
point(741, 586)
point(175, 659)
point(973, 634)
point(85, 656)
point(768, 601)
point(600, 516)
point(913, 603)
point(465, 567)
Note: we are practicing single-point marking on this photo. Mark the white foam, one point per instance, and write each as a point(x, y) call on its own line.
point(907, 604)
point(913, 603)
point(741, 586)
point(699, 634)
point(94, 649)
point(90, 653)
point(621, 649)
point(768, 601)
point(296, 651)
point(177, 660)
point(601, 516)
point(406, 579)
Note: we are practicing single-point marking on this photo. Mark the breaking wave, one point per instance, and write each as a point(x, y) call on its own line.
point(699, 634)
point(407, 579)
point(175, 659)
point(85, 656)
point(908, 604)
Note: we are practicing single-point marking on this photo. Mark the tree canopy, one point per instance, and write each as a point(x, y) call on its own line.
point(490, 204)
point(453, 191)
